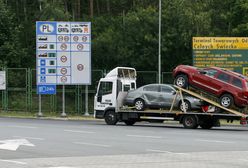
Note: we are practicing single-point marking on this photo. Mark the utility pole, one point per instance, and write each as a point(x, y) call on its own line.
point(159, 44)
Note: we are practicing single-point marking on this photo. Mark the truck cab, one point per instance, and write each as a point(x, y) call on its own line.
point(120, 79)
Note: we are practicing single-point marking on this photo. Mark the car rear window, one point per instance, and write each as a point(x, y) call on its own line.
point(223, 77)
point(237, 82)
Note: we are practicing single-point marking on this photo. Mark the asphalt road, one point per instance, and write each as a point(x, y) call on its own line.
point(33, 143)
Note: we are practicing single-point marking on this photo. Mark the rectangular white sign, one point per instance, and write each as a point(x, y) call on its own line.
point(2, 80)
point(63, 52)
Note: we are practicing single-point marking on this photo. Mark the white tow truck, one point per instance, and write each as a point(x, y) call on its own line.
point(111, 92)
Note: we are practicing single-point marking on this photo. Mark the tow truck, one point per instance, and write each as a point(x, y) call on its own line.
point(112, 89)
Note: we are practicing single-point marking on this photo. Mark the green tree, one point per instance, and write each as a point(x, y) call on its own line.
point(11, 52)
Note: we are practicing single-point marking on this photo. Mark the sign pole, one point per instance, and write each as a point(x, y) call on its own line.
point(40, 112)
point(86, 101)
point(63, 114)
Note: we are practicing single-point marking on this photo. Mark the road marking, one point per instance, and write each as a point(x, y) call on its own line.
point(78, 131)
point(213, 141)
point(91, 144)
point(16, 126)
point(34, 138)
point(63, 167)
point(13, 144)
point(144, 136)
point(160, 151)
point(12, 161)
point(244, 160)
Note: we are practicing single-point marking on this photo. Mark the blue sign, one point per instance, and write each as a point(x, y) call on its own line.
point(43, 71)
point(42, 62)
point(46, 89)
point(43, 79)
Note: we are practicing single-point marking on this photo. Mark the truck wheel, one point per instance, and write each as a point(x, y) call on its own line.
point(181, 81)
point(226, 100)
point(110, 118)
point(190, 122)
point(206, 125)
point(139, 104)
point(130, 122)
point(187, 105)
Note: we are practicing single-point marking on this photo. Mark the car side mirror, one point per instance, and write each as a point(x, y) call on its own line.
point(173, 92)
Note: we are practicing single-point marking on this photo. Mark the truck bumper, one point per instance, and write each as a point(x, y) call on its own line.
point(99, 114)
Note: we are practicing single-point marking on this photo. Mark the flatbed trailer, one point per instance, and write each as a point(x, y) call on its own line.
point(113, 110)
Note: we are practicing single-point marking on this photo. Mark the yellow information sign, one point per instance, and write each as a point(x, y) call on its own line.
point(225, 52)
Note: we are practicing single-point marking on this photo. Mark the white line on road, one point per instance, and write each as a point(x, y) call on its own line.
point(91, 144)
point(17, 126)
point(144, 136)
point(12, 161)
point(213, 141)
point(244, 160)
point(160, 151)
point(79, 131)
point(34, 138)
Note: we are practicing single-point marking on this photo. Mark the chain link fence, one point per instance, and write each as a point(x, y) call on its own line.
point(20, 94)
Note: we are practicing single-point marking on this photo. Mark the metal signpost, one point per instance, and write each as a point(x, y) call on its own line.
point(225, 52)
point(63, 55)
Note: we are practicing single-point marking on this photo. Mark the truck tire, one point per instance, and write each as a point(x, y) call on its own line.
point(190, 122)
point(226, 100)
point(110, 118)
point(130, 122)
point(181, 81)
point(206, 125)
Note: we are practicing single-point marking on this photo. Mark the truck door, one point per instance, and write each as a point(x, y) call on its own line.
point(105, 95)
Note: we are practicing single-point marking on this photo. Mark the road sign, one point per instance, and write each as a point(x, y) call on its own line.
point(2, 80)
point(63, 53)
point(46, 89)
point(224, 52)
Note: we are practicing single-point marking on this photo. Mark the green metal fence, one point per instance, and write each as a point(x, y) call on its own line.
point(20, 94)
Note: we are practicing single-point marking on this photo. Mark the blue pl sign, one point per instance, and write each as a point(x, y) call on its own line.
point(46, 89)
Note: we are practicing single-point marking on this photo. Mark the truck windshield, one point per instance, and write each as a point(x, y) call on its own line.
point(105, 88)
point(126, 73)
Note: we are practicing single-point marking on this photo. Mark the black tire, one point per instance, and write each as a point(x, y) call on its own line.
point(190, 122)
point(207, 124)
point(130, 122)
point(226, 100)
point(139, 104)
point(110, 118)
point(187, 105)
point(181, 81)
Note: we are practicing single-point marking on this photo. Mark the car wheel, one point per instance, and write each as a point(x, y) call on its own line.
point(110, 118)
point(139, 104)
point(190, 122)
point(181, 81)
point(187, 105)
point(226, 100)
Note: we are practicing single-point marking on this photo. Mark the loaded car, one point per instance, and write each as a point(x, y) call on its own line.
point(230, 87)
point(159, 96)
